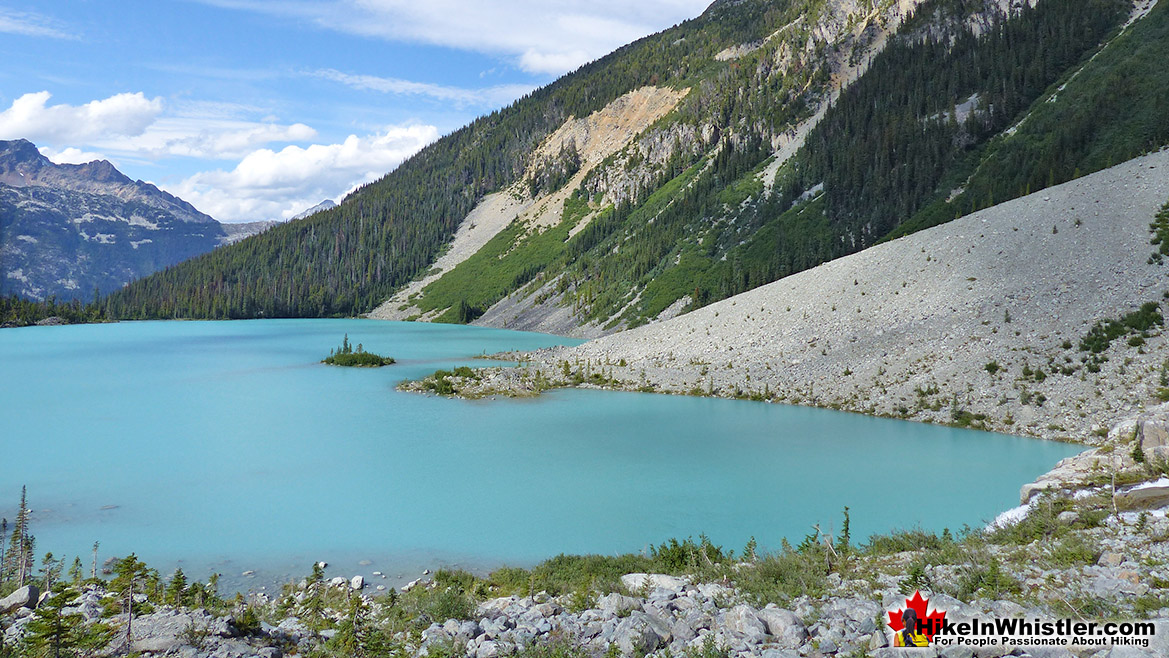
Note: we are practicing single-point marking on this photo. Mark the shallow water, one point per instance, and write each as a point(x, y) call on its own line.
point(226, 446)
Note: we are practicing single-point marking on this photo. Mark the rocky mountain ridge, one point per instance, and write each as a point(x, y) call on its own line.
point(68, 231)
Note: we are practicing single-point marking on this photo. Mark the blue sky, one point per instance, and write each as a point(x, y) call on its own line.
point(258, 109)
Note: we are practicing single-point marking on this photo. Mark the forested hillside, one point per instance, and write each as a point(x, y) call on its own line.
point(959, 106)
point(346, 260)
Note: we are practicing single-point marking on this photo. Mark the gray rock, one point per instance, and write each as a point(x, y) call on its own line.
point(780, 653)
point(617, 604)
point(741, 621)
point(956, 652)
point(713, 590)
point(155, 644)
point(25, 597)
point(635, 582)
point(662, 595)
point(469, 629)
point(358, 582)
point(1128, 652)
point(1143, 497)
point(683, 631)
point(488, 649)
point(784, 626)
point(1153, 434)
point(636, 636)
point(1069, 517)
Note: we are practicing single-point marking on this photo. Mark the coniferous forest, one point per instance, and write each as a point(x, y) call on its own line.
point(947, 120)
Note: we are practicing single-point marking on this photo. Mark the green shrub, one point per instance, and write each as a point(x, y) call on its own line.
point(986, 579)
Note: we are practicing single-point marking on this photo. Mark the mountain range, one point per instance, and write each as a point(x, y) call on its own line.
point(757, 140)
point(73, 231)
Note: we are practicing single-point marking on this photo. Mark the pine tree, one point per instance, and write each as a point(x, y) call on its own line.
point(314, 601)
point(76, 571)
point(176, 591)
point(18, 561)
point(130, 576)
point(53, 633)
point(50, 571)
point(3, 554)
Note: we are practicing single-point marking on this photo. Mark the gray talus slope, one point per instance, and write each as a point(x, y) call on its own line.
point(907, 328)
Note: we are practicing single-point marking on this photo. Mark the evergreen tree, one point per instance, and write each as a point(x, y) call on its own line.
point(130, 579)
point(76, 572)
point(176, 591)
point(50, 571)
point(314, 601)
point(53, 633)
point(18, 561)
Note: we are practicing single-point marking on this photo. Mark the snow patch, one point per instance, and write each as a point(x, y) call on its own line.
point(139, 220)
point(1161, 482)
point(1011, 517)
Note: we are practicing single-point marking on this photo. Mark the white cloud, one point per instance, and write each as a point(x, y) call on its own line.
point(70, 155)
point(210, 138)
point(490, 96)
point(269, 184)
point(30, 25)
point(129, 124)
point(543, 36)
point(30, 117)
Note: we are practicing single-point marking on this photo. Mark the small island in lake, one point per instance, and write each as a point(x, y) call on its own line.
point(355, 357)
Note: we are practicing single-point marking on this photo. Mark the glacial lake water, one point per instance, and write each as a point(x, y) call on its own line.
point(227, 447)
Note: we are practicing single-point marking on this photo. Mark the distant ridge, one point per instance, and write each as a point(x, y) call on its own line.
point(68, 230)
point(324, 205)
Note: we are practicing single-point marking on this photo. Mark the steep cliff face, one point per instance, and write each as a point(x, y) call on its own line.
point(676, 212)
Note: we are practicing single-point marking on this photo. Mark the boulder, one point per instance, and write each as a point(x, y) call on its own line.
point(1153, 434)
point(357, 582)
point(635, 635)
point(741, 621)
point(617, 604)
point(1110, 559)
point(25, 597)
point(787, 629)
point(155, 644)
point(637, 581)
point(1149, 495)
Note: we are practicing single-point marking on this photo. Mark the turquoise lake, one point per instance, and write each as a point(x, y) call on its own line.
point(226, 446)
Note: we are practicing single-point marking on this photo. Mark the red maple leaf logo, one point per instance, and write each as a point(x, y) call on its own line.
point(929, 623)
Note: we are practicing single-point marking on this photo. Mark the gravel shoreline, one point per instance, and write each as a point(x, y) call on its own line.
point(977, 322)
